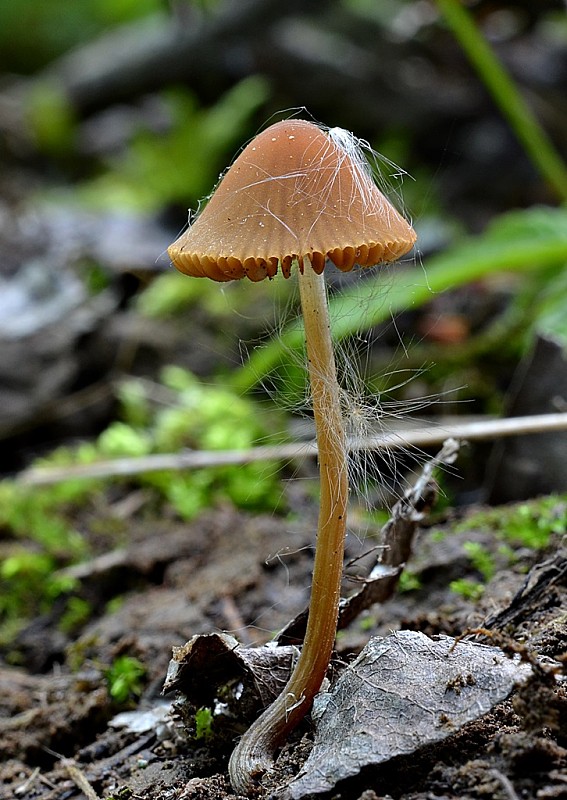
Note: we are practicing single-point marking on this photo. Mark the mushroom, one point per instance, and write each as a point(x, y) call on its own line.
point(300, 195)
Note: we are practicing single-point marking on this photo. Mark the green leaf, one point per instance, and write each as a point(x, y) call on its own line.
point(551, 316)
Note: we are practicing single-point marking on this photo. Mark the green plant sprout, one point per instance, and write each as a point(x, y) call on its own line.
point(409, 581)
point(124, 678)
point(298, 195)
point(76, 614)
point(481, 558)
point(203, 723)
point(467, 588)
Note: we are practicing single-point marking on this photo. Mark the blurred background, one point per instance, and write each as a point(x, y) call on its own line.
point(117, 116)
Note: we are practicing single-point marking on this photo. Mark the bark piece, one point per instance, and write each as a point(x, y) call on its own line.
point(529, 598)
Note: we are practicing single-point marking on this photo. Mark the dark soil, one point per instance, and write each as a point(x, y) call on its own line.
point(249, 575)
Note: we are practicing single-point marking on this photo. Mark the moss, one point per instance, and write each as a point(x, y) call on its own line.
point(43, 526)
point(409, 581)
point(530, 524)
point(467, 588)
point(203, 723)
point(481, 558)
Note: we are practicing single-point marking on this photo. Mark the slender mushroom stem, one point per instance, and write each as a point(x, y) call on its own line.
point(254, 753)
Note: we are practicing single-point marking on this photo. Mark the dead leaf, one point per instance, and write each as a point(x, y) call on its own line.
point(403, 692)
point(210, 661)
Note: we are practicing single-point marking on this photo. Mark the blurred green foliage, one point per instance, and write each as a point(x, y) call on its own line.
point(467, 588)
point(530, 524)
point(409, 581)
point(51, 119)
point(34, 33)
point(42, 527)
point(200, 417)
point(39, 537)
point(182, 164)
point(125, 679)
point(481, 559)
point(512, 105)
point(551, 309)
point(515, 532)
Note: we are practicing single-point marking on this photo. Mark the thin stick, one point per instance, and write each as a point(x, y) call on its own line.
point(483, 429)
point(80, 780)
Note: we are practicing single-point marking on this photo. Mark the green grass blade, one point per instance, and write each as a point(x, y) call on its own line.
point(532, 136)
point(524, 241)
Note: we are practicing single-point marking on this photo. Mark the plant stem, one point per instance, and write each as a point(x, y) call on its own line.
point(523, 122)
point(254, 753)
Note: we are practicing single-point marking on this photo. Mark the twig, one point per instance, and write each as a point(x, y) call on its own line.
point(397, 538)
point(395, 548)
point(23, 788)
point(74, 773)
point(196, 459)
point(506, 784)
point(80, 780)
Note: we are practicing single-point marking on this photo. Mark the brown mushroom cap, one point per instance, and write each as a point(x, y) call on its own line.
point(293, 192)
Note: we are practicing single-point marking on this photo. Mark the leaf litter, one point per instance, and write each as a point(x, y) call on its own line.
point(404, 692)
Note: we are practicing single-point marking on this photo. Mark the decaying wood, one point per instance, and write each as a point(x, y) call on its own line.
point(538, 583)
point(397, 537)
